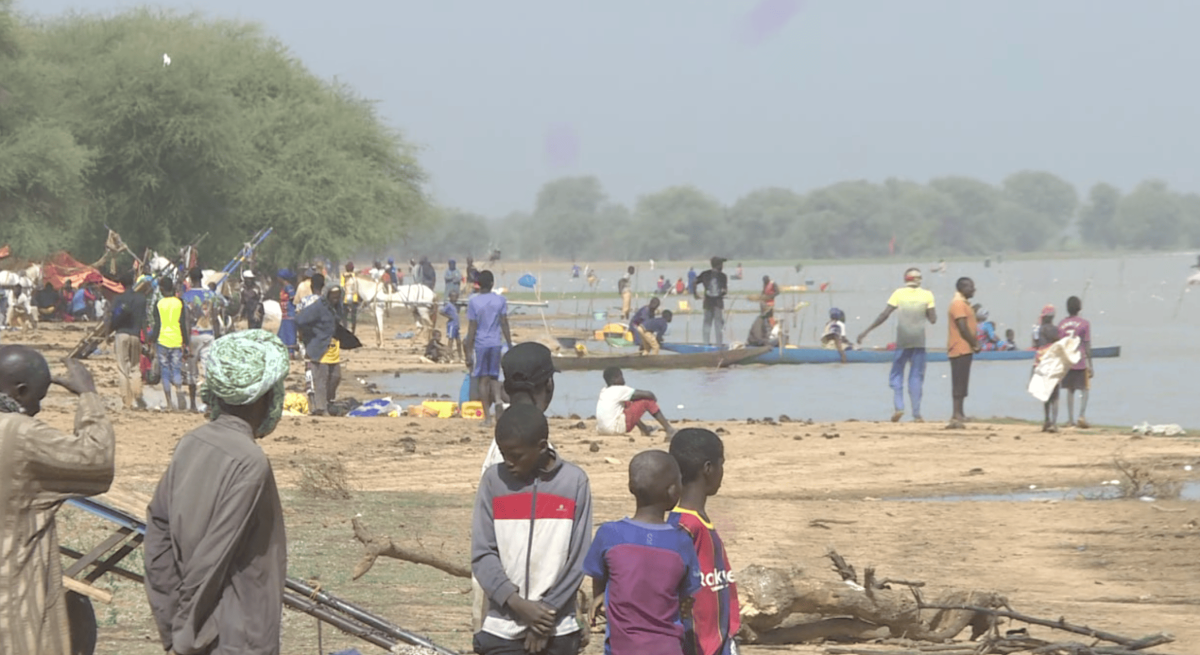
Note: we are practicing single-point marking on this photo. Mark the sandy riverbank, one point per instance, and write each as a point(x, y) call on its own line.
point(791, 491)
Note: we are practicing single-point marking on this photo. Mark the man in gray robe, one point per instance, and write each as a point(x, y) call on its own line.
point(216, 552)
point(40, 468)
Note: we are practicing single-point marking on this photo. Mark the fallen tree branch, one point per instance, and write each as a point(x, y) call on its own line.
point(384, 546)
point(843, 569)
point(1129, 643)
point(769, 596)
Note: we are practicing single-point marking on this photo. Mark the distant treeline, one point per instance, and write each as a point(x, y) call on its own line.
point(227, 133)
point(1029, 211)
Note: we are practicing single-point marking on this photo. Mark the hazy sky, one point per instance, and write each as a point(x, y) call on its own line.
point(734, 95)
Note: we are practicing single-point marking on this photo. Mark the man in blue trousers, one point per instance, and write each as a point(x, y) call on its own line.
point(916, 307)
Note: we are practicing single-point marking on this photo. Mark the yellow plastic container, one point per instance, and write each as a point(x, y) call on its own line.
point(473, 410)
point(444, 408)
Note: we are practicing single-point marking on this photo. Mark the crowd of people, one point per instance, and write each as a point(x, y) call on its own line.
point(215, 544)
point(216, 547)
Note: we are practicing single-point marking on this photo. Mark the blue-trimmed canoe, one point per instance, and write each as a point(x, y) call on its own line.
point(802, 355)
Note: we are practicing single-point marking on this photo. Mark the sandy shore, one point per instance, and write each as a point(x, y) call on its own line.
point(791, 491)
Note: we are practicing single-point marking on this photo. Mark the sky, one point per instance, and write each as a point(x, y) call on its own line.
point(733, 95)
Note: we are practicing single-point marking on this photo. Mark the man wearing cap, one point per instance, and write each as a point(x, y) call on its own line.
point(40, 468)
point(528, 380)
point(216, 551)
point(1045, 336)
point(916, 308)
point(251, 299)
point(716, 285)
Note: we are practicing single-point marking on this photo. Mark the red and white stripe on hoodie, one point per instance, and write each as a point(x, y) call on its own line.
point(531, 537)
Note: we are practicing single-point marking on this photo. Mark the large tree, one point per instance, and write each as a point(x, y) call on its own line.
point(1150, 216)
point(43, 169)
point(232, 136)
point(568, 211)
point(1097, 218)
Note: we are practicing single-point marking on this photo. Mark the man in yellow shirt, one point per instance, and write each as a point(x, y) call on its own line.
point(916, 307)
point(171, 336)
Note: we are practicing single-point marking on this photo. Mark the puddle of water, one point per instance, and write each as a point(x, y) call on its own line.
point(1189, 491)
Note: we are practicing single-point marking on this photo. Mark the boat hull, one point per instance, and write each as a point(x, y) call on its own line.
point(706, 359)
point(794, 355)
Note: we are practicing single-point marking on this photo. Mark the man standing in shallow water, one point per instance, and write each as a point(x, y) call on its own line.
point(916, 307)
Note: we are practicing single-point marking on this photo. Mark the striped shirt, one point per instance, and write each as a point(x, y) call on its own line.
point(715, 617)
point(40, 467)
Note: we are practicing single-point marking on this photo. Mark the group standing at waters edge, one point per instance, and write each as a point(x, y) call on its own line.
point(915, 308)
point(215, 545)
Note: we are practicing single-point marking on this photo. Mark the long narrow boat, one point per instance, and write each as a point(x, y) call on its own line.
point(712, 358)
point(801, 355)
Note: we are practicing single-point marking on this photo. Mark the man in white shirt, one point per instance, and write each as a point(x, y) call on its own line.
point(620, 408)
point(378, 274)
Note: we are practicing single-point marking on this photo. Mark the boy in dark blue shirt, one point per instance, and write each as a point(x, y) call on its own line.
point(644, 568)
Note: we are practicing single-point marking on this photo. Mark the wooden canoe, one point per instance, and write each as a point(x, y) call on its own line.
point(800, 355)
point(712, 359)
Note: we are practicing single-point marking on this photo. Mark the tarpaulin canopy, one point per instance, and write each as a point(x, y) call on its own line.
point(61, 267)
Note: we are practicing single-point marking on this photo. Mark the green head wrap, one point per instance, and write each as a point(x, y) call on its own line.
point(242, 367)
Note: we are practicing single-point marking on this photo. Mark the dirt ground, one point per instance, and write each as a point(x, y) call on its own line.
point(791, 491)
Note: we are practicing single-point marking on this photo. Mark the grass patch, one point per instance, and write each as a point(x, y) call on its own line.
point(321, 548)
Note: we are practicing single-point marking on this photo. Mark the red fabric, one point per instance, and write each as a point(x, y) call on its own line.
point(61, 267)
point(634, 411)
point(520, 506)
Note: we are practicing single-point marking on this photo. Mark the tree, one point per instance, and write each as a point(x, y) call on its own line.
point(847, 219)
point(568, 212)
point(43, 193)
point(451, 234)
point(233, 136)
point(1097, 218)
point(762, 218)
point(1043, 193)
point(1191, 218)
point(1151, 216)
point(678, 222)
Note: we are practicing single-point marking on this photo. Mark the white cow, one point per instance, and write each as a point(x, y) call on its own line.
point(420, 298)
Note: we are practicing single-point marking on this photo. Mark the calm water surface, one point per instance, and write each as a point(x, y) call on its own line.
point(1139, 303)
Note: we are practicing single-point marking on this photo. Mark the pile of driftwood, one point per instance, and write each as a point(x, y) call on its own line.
point(788, 607)
point(784, 607)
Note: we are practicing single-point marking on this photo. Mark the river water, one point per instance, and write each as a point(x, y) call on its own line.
point(1137, 302)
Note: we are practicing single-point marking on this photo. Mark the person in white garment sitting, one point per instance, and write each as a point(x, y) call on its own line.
point(620, 408)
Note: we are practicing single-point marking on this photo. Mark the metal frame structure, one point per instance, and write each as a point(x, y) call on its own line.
point(128, 533)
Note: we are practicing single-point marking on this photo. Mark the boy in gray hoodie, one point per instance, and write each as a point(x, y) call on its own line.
point(531, 528)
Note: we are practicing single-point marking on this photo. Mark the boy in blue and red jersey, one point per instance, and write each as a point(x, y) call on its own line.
point(714, 619)
point(643, 568)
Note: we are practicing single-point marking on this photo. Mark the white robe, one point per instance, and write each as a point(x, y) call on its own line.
point(1052, 366)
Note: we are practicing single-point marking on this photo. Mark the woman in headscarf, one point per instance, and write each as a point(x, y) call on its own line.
point(287, 306)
